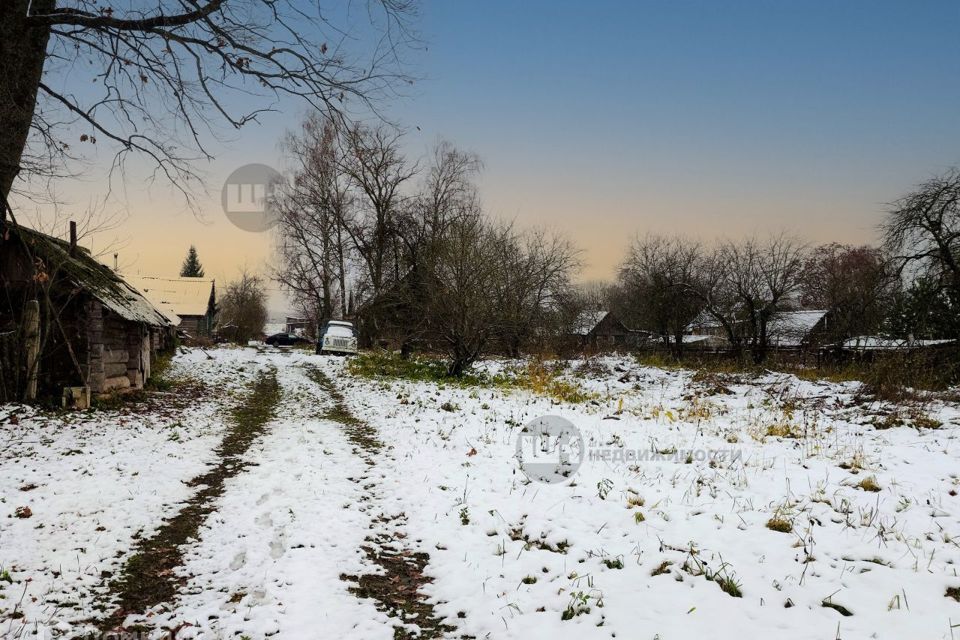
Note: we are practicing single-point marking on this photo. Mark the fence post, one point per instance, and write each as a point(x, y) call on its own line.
point(31, 343)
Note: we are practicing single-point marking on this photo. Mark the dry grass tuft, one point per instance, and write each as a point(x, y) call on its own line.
point(782, 525)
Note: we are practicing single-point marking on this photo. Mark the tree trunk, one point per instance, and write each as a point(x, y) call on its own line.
point(23, 50)
point(31, 347)
point(342, 270)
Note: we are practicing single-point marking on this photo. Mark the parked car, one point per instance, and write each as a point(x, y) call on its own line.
point(337, 336)
point(285, 340)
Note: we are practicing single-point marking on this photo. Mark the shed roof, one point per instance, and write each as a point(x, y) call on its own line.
point(587, 322)
point(84, 271)
point(182, 296)
point(791, 328)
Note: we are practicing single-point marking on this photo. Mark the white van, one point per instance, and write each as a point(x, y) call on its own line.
point(338, 336)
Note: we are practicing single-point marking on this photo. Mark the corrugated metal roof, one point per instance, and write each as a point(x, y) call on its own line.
point(182, 296)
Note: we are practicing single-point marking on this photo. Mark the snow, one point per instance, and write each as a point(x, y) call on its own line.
point(689, 452)
point(792, 328)
point(879, 343)
point(183, 296)
point(271, 328)
point(92, 482)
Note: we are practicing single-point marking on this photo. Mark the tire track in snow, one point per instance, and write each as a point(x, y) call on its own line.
point(148, 577)
point(396, 590)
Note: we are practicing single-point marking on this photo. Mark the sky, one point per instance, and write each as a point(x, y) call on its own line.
point(604, 120)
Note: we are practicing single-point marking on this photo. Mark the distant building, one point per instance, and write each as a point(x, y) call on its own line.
point(706, 325)
point(603, 329)
point(194, 300)
point(299, 326)
point(97, 332)
point(786, 330)
point(797, 329)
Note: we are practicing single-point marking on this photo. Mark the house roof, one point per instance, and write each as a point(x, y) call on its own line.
point(85, 272)
point(703, 321)
point(791, 328)
point(587, 322)
point(182, 296)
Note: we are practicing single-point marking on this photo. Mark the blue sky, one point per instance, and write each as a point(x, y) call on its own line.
point(703, 118)
point(605, 119)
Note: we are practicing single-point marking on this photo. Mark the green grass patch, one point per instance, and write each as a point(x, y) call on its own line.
point(544, 379)
point(160, 379)
point(387, 365)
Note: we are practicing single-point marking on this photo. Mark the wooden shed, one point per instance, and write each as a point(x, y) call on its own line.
point(96, 333)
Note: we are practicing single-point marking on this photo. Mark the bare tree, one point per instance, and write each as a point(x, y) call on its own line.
point(657, 286)
point(744, 284)
point(852, 283)
point(152, 77)
point(243, 307)
point(595, 295)
point(462, 304)
point(373, 161)
point(313, 211)
point(535, 276)
point(922, 234)
point(447, 195)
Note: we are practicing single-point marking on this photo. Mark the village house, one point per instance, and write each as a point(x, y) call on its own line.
point(604, 330)
point(193, 300)
point(787, 330)
point(798, 329)
point(71, 327)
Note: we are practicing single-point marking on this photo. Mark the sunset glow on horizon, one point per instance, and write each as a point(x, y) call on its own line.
point(613, 119)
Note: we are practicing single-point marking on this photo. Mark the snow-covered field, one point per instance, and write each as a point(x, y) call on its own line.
point(663, 532)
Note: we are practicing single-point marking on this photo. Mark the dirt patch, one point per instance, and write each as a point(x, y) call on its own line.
point(363, 436)
point(397, 590)
point(148, 578)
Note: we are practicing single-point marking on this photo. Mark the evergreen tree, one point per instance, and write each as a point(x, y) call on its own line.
point(191, 265)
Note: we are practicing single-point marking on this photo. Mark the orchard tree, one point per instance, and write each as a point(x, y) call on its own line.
point(156, 77)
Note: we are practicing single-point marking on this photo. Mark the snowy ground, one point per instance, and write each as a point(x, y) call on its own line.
point(661, 533)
